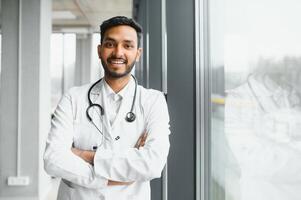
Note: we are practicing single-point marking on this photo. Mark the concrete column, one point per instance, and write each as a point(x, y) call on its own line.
point(25, 96)
point(83, 59)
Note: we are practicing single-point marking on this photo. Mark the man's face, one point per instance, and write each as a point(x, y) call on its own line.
point(118, 51)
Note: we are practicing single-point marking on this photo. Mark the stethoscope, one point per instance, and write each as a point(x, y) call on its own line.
point(130, 116)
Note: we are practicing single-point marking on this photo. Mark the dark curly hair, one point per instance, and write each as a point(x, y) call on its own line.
point(120, 20)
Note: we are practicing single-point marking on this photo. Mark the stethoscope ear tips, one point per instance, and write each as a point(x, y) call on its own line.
point(130, 117)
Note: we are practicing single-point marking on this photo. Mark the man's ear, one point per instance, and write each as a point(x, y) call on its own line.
point(99, 50)
point(139, 52)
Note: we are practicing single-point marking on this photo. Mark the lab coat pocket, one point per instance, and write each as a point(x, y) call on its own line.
point(66, 192)
point(86, 136)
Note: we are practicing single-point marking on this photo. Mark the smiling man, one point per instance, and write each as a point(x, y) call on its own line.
point(110, 138)
point(119, 49)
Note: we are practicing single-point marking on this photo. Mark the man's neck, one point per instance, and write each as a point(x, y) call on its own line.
point(117, 84)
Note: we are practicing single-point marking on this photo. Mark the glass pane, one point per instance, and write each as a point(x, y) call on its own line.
point(69, 46)
point(96, 70)
point(255, 58)
point(56, 69)
point(63, 50)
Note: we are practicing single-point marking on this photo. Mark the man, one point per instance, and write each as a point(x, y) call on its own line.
point(109, 139)
point(262, 125)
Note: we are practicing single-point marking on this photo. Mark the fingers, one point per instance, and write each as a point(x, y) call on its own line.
point(138, 143)
point(114, 183)
point(87, 156)
point(141, 141)
point(76, 151)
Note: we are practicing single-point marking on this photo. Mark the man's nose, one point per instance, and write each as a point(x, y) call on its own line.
point(118, 51)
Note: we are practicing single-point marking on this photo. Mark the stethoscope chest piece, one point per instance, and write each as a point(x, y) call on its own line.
point(130, 117)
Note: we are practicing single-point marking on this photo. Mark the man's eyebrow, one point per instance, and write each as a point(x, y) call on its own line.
point(112, 39)
point(129, 41)
point(108, 39)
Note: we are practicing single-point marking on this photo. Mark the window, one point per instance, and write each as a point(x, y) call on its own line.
point(96, 70)
point(255, 101)
point(62, 65)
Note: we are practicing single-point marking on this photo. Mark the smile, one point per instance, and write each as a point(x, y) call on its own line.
point(117, 61)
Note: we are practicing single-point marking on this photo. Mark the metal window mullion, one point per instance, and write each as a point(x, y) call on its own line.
point(203, 117)
point(164, 85)
point(19, 121)
point(64, 74)
point(147, 43)
point(164, 46)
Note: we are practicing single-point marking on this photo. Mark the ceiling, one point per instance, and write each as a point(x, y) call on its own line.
point(83, 16)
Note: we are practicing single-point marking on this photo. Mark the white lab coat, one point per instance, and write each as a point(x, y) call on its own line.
point(116, 160)
point(266, 144)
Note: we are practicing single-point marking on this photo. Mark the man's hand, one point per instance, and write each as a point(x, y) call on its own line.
point(87, 156)
point(141, 141)
point(113, 183)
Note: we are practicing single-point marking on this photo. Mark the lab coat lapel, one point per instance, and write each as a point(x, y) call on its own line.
point(96, 115)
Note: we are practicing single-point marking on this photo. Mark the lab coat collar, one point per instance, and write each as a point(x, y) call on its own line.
point(97, 88)
point(101, 122)
point(127, 91)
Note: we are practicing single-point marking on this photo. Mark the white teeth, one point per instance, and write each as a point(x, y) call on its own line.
point(117, 61)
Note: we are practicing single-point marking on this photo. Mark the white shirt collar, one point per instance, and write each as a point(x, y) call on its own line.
point(128, 90)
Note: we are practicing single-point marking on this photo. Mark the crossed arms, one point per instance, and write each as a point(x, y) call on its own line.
point(109, 166)
point(88, 156)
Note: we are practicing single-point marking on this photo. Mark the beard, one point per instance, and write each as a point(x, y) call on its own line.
point(116, 75)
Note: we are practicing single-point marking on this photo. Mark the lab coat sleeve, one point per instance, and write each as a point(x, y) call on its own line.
point(146, 163)
point(59, 161)
point(257, 155)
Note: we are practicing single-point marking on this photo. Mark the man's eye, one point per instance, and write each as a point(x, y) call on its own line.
point(128, 46)
point(109, 44)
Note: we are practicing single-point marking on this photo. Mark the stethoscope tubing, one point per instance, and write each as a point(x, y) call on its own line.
point(130, 116)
